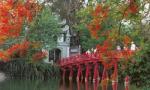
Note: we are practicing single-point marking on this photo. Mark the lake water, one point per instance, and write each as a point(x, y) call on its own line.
point(54, 84)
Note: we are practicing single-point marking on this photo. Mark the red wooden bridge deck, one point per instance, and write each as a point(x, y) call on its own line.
point(85, 58)
point(78, 59)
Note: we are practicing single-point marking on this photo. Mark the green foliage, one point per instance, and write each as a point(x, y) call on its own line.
point(84, 38)
point(44, 29)
point(138, 69)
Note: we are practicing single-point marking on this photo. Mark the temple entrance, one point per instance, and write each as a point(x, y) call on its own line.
point(55, 54)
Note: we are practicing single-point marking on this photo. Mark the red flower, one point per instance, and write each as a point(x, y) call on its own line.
point(21, 11)
point(126, 40)
point(97, 10)
point(4, 56)
point(133, 8)
point(5, 20)
point(13, 49)
point(97, 27)
point(39, 56)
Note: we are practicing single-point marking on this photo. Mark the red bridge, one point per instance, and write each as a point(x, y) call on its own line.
point(88, 60)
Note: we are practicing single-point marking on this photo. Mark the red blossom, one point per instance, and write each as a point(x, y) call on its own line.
point(97, 27)
point(133, 8)
point(4, 56)
point(105, 12)
point(13, 49)
point(39, 56)
point(97, 10)
point(99, 13)
point(12, 16)
point(18, 47)
point(126, 40)
point(25, 45)
point(4, 20)
point(21, 11)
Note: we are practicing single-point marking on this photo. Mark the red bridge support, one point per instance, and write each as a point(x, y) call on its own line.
point(126, 83)
point(105, 79)
point(79, 73)
point(96, 73)
point(115, 77)
point(71, 73)
point(64, 73)
point(87, 74)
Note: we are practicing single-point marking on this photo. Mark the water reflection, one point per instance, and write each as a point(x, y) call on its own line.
point(78, 85)
point(53, 84)
point(96, 85)
point(17, 84)
point(70, 85)
point(62, 86)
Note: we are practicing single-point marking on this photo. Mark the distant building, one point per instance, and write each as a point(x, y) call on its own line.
point(67, 44)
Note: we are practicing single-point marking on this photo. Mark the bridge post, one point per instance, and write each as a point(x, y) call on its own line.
point(95, 85)
point(87, 86)
point(126, 83)
point(87, 74)
point(96, 76)
point(64, 73)
point(71, 73)
point(115, 77)
point(70, 84)
point(105, 79)
point(79, 85)
point(79, 73)
point(96, 73)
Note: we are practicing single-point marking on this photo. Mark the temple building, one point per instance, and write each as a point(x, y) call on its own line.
point(67, 44)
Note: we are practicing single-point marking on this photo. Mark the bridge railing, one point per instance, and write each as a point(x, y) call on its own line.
point(96, 56)
point(80, 58)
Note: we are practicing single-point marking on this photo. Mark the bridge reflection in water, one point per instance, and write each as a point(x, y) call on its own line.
point(71, 85)
point(54, 84)
point(78, 86)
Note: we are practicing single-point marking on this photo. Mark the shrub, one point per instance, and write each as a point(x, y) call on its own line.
point(29, 70)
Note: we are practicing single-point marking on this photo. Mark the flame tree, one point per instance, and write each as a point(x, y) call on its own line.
point(106, 24)
point(26, 27)
point(17, 21)
point(13, 14)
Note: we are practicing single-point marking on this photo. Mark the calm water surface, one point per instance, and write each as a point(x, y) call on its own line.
point(48, 85)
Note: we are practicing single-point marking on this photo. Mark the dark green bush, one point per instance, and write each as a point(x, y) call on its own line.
point(25, 69)
point(138, 71)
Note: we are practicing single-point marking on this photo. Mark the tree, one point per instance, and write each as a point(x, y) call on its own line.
point(23, 23)
point(44, 29)
point(43, 33)
point(124, 18)
point(113, 23)
point(13, 14)
point(66, 9)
